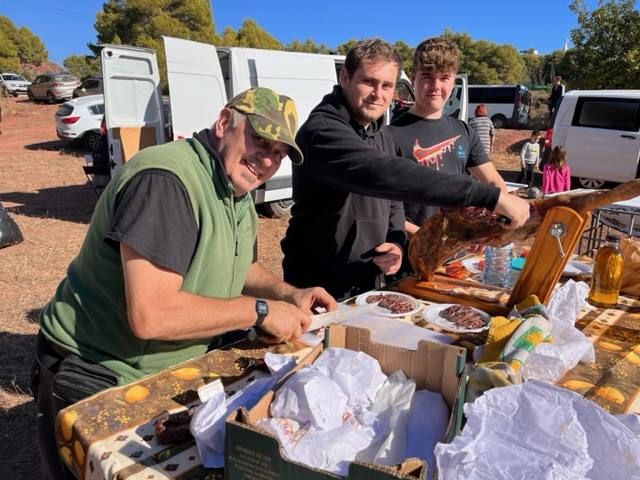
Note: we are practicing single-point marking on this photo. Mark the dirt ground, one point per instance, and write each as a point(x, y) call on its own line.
point(45, 191)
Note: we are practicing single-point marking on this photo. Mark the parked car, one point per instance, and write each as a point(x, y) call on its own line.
point(600, 129)
point(13, 84)
point(90, 86)
point(52, 87)
point(507, 105)
point(79, 120)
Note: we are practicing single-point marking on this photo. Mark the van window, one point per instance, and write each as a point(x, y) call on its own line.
point(475, 95)
point(499, 95)
point(609, 113)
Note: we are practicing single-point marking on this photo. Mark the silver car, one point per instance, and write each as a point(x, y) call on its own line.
point(12, 84)
point(91, 86)
point(52, 87)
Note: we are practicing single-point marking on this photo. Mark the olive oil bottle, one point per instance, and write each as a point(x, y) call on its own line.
point(607, 274)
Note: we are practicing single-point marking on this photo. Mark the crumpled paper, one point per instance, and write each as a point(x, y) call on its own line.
point(539, 431)
point(343, 408)
point(550, 361)
point(309, 396)
point(426, 427)
point(390, 412)
point(208, 424)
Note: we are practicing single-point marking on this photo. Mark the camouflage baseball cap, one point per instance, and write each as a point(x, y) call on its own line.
point(272, 116)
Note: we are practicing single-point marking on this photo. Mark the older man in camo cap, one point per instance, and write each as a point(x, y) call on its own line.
point(169, 262)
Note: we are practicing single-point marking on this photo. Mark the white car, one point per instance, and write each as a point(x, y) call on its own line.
point(600, 129)
point(13, 84)
point(79, 120)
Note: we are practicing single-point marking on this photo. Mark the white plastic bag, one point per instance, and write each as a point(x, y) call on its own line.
point(550, 361)
point(208, 424)
point(537, 430)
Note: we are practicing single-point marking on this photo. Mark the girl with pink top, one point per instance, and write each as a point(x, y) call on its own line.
point(556, 176)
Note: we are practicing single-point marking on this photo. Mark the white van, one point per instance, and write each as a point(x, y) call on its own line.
point(507, 105)
point(600, 129)
point(201, 80)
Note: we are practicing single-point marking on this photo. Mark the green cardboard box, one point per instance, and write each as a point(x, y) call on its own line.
point(251, 453)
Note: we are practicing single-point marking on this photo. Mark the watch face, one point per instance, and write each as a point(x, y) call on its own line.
point(262, 309)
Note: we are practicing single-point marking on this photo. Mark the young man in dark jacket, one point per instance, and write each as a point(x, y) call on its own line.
point(346, 229)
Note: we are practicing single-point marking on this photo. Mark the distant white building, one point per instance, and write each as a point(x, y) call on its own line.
point(566, 45)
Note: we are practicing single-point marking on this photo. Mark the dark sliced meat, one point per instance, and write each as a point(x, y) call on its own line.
point(172, 428)
point(393, 303)
point(463, 316)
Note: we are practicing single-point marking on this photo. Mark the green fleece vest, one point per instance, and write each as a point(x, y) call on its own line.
point(87, 314)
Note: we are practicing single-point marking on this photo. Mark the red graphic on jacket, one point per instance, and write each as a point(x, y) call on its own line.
point(431, 156)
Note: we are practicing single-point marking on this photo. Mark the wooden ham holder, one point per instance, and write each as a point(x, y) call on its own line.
point(559, 233)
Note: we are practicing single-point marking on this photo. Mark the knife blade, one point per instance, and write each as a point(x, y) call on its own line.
point(342, 314)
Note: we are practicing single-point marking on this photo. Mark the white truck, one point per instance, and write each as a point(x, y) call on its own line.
point(202, 78)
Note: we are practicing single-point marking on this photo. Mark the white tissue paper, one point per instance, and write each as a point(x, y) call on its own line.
point(426, 427)
point(358, 374)
point(537, 430)
point(310, 396)
point(390, 410)
point(549, 361)
point(207, 425)
point(343, 408)
point(331, 450)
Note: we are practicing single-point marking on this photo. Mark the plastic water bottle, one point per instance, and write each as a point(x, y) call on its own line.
point(497, 265)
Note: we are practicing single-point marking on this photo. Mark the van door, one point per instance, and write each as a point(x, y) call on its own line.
point(306, 78)
point(196, 85)
point(603, 142)
point(458, 104)
point(132, 101)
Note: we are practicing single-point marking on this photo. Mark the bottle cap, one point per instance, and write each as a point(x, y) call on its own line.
point(613, 238)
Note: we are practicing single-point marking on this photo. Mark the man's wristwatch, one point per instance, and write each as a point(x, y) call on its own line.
point(262, 309)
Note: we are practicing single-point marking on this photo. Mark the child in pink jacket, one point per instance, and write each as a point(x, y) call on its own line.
point(556, 175)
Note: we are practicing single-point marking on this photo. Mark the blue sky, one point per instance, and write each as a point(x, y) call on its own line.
point(66, 26)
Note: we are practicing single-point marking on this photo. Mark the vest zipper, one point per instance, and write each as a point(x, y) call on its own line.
point(234, 226)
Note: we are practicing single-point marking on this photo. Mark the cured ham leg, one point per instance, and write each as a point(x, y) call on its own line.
point(452, 230)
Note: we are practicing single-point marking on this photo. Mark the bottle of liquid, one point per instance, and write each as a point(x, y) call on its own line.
point(497, 265)
point(607, 274)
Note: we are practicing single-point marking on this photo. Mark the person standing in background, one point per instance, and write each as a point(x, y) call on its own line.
point(557, 91)
point(483, 126)
point(529, 158)
point(556, 175)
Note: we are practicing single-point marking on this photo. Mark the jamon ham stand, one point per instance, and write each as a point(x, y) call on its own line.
point(559, 233)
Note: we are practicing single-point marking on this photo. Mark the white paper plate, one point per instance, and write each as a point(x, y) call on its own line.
point(432, 315)
point(362, 300)
point(471, 264)
point(573, 268)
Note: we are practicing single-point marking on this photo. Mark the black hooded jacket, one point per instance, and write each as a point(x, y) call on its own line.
point(348, 195)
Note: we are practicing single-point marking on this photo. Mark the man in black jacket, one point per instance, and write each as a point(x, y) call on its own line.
point(347, 225)
point(557, 91)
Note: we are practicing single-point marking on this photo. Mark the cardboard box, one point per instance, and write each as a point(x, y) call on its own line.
point(253, 454)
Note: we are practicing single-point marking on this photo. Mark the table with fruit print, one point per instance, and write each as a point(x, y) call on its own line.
point(112, 434)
